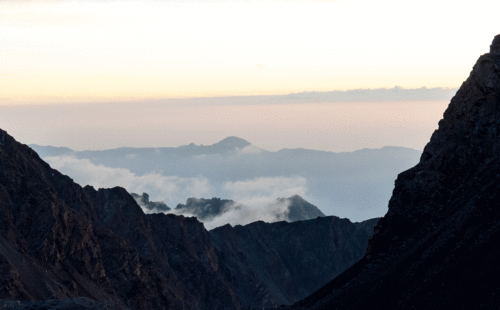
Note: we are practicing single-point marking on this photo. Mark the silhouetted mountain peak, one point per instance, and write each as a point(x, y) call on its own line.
point(231, 143)
point(495, 45)
point(297, 198)
point(153, 206)
point(299, 209)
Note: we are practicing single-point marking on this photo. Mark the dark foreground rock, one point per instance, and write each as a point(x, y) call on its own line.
point(78, 303)
point(281, 263)
point(59, 242)
point(437, 247)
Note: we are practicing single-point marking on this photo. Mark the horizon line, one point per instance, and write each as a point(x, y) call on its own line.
point(396, 93)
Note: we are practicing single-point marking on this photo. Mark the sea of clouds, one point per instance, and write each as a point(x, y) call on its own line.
point(255, 198)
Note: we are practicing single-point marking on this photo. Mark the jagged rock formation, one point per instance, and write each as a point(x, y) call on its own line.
point(206, 209)
point(290, 209)
point(59, 242)
point(153, 206)
point(280, 263)
point(437, 247)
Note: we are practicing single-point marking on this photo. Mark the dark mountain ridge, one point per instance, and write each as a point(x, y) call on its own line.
point(437, 247)
point(59, 241)
point(280, 263)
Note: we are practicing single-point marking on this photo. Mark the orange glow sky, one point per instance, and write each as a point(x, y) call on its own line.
point(74, 51)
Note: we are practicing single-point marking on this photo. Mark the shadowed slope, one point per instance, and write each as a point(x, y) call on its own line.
point(280, 263)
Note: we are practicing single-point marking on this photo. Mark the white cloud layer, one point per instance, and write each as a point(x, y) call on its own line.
point(168, 188)
point(250, 149)
point(240, 214)
point(260, 191)
point(256, 198)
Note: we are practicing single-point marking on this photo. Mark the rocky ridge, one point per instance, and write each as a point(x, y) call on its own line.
point(206, 209)
point(281, 263)
point(436, 247)
point(151, 206)
point(291, 209)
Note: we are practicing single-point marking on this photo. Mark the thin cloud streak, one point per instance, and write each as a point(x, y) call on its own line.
point(396, 93)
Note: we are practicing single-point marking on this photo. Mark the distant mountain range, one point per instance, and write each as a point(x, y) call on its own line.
point(356, 185)
point(227, 145)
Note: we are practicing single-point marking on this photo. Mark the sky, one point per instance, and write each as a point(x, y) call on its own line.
point(103, 74)
point(74, 51)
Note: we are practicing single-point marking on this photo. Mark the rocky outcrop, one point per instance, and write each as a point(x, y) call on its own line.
point(150, 206)
point(67, 247)
point(206, 209)
point(290, 209)
point(437, 246)
point(280, 263)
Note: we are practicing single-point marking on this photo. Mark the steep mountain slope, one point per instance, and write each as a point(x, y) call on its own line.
point(59, 241)
point(280, 263)
point(437, 247)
